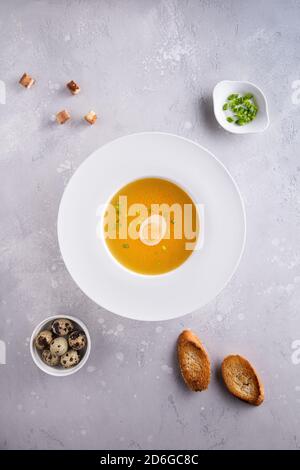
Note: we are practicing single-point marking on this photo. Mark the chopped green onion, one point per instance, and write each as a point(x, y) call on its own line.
point(243, 108)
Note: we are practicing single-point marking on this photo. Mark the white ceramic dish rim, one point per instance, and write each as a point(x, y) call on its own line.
point(238, 259)
point(244, 129)
point(52, 370)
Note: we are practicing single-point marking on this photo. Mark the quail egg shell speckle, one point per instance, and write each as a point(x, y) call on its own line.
point(77, 340)
point(43, 339)
point(62, 326)
point(70, 359)
point(49, 358)
point(59, 346)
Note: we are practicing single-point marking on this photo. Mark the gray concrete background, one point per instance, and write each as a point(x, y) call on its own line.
point(148, 65)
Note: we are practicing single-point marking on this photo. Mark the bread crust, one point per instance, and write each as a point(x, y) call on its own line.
point(193, 361)
point(26, 81)
point(242, 380)
point(91, 117)
point(63, 116)
point(73, 87)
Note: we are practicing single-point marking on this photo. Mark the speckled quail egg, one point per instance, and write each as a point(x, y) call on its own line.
point(70, 359)
point(49, 358)
point(59, 346)
point(43, 339)
point(77, 340)
point(62, 326)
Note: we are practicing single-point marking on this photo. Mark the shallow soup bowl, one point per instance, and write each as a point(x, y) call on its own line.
point(151, 297)
point(158, 244)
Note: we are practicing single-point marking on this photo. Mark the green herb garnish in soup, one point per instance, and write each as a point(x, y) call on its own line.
point(240, 109)
point(158, 229)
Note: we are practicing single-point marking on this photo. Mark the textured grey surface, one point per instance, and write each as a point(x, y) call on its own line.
point(148, 65)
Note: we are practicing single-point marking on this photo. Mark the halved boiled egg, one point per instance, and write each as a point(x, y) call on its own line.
point(153, 230)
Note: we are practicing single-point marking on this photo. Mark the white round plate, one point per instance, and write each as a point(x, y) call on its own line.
point(195, 282)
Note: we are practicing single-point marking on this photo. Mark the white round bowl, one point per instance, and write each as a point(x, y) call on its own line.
point(227, 87)
point(201, 277)
point(58, 372)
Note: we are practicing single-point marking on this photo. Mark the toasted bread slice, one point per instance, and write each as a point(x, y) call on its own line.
point(242, 380)
point(193, 361)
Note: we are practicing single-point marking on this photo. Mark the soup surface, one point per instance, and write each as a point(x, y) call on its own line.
point(151, 226)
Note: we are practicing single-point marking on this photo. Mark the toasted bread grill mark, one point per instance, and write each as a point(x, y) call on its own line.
point(242, 380)
point(193, 361)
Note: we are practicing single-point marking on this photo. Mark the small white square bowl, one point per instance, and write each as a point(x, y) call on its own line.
point(227, 87)
point(56, 371)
